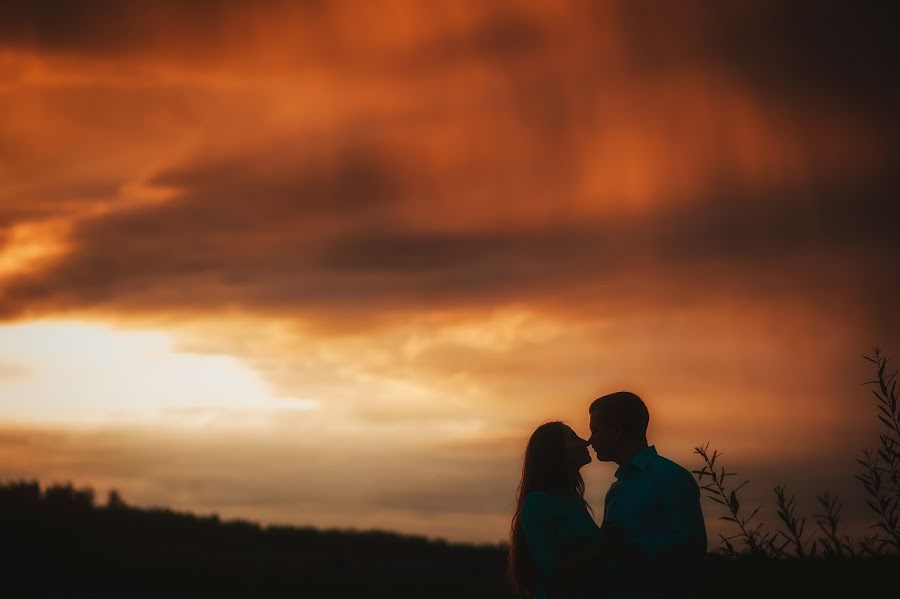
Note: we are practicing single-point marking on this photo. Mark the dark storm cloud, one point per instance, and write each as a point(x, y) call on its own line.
point(46, 199)
point(839, 50)
point(735, 227)
point(503, 35)
point(816, 50)
point(830, 49)
point(96, 27)
point(846, 216)
point(288, 227)
point(274, 187)
point(104, 27)
point(268, 231)
point(235, 223)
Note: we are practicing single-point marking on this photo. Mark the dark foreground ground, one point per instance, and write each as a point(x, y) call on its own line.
point(58, 544)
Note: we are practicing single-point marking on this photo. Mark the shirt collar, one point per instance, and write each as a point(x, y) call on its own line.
point(640, 461)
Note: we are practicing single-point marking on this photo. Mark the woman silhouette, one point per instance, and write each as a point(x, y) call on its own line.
point(552, 528)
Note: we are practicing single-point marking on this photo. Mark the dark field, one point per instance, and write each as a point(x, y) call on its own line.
point(58, 543)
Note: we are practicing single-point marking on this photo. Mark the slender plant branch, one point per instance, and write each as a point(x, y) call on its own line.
point(757, 541)
point(794, 525)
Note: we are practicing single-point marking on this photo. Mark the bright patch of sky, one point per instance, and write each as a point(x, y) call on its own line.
point(81, 374)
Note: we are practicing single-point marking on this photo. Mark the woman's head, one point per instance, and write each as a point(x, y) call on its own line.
point(553, 457)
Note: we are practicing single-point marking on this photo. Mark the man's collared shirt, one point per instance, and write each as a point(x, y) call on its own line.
point(657, 503)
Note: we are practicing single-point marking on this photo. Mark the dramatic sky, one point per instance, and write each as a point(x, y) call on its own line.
point(330, 263)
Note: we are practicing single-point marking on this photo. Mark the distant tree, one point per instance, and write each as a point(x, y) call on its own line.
point(67, 498)
point(114, 500)
point(21, 494)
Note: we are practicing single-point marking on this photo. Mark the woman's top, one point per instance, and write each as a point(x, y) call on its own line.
point(555, 526)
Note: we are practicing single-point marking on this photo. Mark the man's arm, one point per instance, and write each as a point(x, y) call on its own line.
point(581, 571)
point(609, 545)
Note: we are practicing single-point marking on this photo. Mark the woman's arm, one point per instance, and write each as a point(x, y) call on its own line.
point(540, 530)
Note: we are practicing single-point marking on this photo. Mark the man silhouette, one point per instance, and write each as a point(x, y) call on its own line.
point(654, 501)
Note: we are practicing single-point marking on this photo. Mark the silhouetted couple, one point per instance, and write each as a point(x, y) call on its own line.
point(652, 530)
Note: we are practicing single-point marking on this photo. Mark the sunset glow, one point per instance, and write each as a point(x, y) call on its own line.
point(331, 263)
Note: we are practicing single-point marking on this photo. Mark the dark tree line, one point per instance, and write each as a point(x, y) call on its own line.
point(58, 542)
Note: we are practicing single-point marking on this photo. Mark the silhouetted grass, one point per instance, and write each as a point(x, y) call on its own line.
point(755, 538)
point(880, 477)
point(794, 524)
point(795, 560)
point(881, 467)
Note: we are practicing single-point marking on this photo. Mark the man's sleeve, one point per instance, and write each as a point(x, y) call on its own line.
point(686, 531)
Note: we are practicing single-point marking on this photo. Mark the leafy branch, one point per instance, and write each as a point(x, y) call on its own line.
point(758, 541)
point(795, 525)
point(881, 468)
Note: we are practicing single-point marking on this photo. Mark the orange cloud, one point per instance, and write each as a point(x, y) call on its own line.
point(448, 221)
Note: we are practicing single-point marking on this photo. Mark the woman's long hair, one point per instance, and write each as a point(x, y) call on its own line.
point(544, 469)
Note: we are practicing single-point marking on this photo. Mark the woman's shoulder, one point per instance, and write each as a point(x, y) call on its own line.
point(539, 500)
point(545, 500)
point(538, 506)
point(537, 497)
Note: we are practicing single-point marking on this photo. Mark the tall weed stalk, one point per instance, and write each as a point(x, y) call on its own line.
point(880, 476)
point(757, 541)
point(881, 467)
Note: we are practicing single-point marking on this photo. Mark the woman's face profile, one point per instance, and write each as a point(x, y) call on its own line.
point(576, 449)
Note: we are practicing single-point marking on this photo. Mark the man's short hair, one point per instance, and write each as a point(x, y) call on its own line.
point(625, 409)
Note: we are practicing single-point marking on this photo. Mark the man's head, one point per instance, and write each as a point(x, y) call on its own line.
point(618, 426)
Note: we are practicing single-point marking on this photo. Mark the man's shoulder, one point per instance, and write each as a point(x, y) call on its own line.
point(668, 468)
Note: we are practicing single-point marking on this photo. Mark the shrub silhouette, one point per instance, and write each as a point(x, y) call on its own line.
point(880, 478)
point(881, 467)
